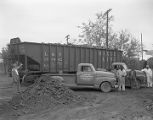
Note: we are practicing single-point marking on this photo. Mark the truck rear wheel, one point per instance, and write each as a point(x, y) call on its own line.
point(105, 87)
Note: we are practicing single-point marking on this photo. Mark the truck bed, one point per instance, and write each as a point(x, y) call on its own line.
point(69, 79)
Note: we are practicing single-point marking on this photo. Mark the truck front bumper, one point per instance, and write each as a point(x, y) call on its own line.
point(115, 84)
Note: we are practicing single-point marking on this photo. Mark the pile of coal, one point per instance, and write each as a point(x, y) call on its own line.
point(47, 92)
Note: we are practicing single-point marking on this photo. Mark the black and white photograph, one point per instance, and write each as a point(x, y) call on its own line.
point(76, 60)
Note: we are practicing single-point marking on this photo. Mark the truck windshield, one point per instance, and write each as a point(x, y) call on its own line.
point(118, 66)
point(86, 69)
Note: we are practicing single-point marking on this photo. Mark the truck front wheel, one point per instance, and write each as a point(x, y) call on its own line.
point(105, 87)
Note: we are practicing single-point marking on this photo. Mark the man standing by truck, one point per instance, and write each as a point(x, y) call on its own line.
point(148, 72)
point(133, 80)
point(15, 75)
point(121, 73)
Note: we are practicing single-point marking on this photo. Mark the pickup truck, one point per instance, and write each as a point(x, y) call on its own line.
point(87, 77)
point(138, 79)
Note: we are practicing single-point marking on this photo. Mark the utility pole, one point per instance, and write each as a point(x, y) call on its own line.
point(107, 28)
point(67, 38)
point(106, 58)
point(141, 47)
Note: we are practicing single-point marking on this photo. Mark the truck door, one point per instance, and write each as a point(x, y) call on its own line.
point(85, 76)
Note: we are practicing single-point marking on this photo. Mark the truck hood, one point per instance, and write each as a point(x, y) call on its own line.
point(104, 74)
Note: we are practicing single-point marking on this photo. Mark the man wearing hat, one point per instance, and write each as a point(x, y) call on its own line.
point(148, 72)
point(15, 75)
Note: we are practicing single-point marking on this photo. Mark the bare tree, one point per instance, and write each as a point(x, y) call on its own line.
point(94, 32)
point(4, 55)
point(150, 62)
point(128, 44)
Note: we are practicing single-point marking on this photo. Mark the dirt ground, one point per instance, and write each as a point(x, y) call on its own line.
point(128, 105)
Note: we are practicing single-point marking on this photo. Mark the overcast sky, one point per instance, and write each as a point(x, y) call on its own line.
point(51, 20)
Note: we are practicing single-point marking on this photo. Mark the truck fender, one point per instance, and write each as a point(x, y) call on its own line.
point(99, 81)
point(103, 82)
